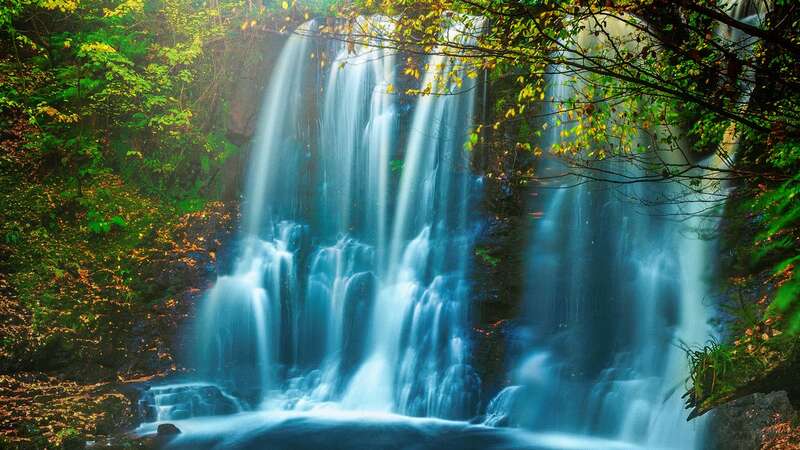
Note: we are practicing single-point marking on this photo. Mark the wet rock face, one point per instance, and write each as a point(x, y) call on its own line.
point(175, 278)
point(168, 429)
point(498, 270)
point(739, 425)
point(256, 55)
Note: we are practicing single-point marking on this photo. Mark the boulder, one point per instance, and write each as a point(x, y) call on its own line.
point(739, 424)
point(167, 429)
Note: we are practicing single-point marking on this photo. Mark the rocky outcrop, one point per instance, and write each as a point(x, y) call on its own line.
point(167, 429)
point(740, 424)
point(498, 270)
point(255, 54)
point(176, 275)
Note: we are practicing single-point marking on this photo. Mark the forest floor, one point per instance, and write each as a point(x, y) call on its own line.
point(95, 281)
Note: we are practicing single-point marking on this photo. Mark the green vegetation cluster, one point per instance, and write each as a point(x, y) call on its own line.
point(88, 289)
point(110, 114)
point(113, 130)
point(129, 87)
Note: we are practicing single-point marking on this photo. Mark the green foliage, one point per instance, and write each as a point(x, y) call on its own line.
point(66, 434)
point(127, 86)
point(785, 155)
point(472, 141)
point(486, 256)
point(761, 303)
point(778, 210)
point(720, 372)
point(710, 364)
point(98, 224)
point(640, 81)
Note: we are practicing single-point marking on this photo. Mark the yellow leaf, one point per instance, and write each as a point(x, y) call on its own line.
point(285, 5)
point(390, 88)
point(98, 47)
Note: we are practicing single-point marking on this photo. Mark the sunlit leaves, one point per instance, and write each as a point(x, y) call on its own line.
point(125, 7)
point(60, 5)
point(473, 140)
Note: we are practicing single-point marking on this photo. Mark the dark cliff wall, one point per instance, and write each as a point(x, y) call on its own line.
point(498, 270)
point(250, 60)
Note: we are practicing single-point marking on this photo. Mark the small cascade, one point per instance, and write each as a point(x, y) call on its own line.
point(183, 401)
point(501, 409)
point(241, 322)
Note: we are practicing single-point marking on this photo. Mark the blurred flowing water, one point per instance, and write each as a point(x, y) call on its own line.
point(346, 310)
point(618, 281)
point(350, 285)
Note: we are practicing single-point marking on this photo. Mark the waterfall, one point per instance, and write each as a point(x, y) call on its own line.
point(350, 291)
point(614, 287)
point(350, 287)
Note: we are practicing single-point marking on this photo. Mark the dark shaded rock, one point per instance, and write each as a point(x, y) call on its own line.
point(117, 415)
point(256, 54)
point(497, 292)
point(55, 354)
point(174, 280)
point(167, 429)
point(738, 425)
point(360, 293)
point(498, 269)
point(125, 442)
point(73, 443)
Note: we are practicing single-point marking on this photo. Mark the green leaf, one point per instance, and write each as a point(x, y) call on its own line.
point(119, 221)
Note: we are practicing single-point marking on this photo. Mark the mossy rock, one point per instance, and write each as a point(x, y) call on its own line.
point(117, 415)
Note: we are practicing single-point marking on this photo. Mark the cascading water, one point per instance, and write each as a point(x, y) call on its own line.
point(350, 284)
point(613, 288)
point(422, 348)
point(619, 282)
